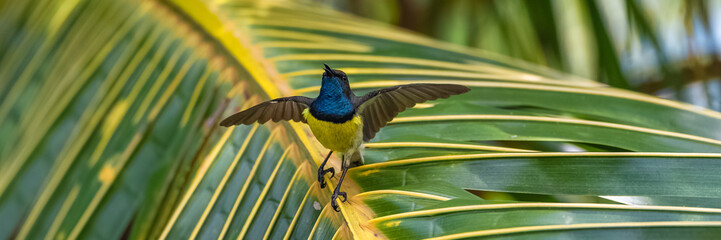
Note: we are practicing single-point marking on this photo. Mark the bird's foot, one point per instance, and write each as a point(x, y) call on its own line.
point(322, 172)
point(337, 193)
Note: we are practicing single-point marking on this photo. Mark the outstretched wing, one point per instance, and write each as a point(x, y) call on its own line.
point(286, 108)
point(379, 107)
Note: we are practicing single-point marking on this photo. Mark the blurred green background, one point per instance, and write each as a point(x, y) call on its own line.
point(668, 48)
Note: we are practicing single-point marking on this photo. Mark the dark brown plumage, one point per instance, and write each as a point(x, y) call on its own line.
point(376, 108)
point(286, 108)
point(379, 107)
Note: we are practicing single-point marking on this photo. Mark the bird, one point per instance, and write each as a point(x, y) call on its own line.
point(340, 120)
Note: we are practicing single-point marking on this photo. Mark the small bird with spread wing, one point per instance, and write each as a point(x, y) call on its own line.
point(340, 120)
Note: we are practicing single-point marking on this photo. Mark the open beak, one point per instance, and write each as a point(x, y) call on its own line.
point(328, 70)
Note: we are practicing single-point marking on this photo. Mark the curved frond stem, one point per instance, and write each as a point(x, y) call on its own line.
point(578, 226)
point(202, 170)
point(543, 205)
point(221, 186)
point(472, 117)
point(381, 145)
point(373, 166)
point(400, 192)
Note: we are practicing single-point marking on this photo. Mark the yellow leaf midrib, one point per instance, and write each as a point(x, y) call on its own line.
point(212, 25)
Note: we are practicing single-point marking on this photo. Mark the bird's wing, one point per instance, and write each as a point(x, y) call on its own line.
point(379, 107)
point(286, 108)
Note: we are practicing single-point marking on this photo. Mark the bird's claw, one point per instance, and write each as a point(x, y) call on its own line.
point(335, 206)
point(345, 197)
point(331, 170)
point(321, 173)
point(333, 203)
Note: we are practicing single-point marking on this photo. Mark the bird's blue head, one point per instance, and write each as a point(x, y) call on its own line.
point(335, 82)
point(334, 101)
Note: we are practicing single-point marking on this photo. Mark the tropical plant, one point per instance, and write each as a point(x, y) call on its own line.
point(660, 47)
point(108, 129)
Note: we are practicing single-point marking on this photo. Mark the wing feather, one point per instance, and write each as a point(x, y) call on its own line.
point(287, 108)
point(403, 99)
point(288, 112)
point(298, 113)
point(375, 114)
point(413, 96)
point(379, 107)
point(267, 113)
point(279, 112)
point(254, 117)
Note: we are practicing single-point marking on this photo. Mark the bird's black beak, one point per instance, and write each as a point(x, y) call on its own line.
point(328, 70)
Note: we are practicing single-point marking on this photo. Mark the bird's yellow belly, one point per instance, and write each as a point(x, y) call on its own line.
point(338, 137)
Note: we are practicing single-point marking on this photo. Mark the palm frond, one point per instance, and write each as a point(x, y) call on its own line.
point(109, 125)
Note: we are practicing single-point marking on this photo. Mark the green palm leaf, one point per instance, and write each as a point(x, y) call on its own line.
point(109, 112)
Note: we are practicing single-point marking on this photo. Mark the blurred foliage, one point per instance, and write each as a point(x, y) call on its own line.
point(109, 112)
point(668, 48)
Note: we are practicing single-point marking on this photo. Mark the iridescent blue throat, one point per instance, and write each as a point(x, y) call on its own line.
point(332, 104)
